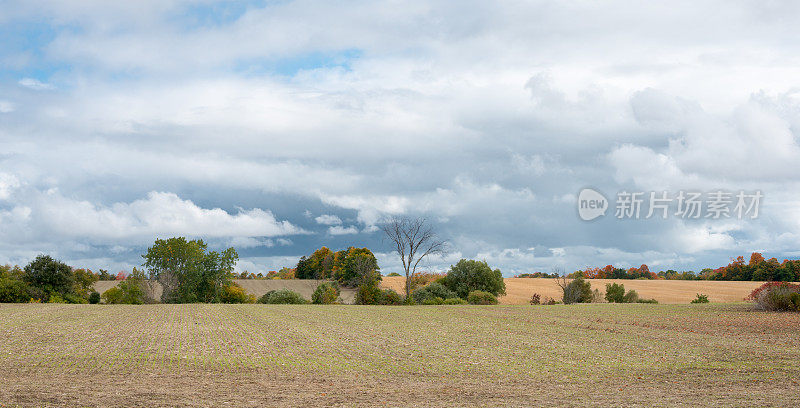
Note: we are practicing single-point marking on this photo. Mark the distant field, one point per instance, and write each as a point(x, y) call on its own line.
point(438, 356)
point(519, 290)
point(258, 287)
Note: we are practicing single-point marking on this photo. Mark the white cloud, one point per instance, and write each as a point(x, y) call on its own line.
point(7, 107)
point(328, 219)
point(35, 84)
point(8, 183)
point(158, 215)
point(340, 230)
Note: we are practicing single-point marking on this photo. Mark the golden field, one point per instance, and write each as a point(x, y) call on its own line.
point(519, 290)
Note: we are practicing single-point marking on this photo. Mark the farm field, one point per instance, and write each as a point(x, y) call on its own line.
point(519, 290)
point(258, 287)
point(308, 355)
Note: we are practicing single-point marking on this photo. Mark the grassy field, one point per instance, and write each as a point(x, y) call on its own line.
point(285, 355)
point(258, 287)
point(519, 290)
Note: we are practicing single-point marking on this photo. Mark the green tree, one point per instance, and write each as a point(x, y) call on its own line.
point(469, 275)
point(48, 276)
point(615, 293)
point(84, 281)
point(575, 291)
point(187, 272)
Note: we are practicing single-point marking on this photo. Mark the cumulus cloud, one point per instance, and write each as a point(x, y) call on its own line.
point(160, 214)
point(328, 219)
point(340, 230)
point(8, 182)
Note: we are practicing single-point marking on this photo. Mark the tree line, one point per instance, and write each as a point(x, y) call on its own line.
point(756, 269)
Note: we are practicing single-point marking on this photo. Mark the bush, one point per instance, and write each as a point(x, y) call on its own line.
point(479, 297)
point(325, 294)
point(700, 299)
point(630, 297)
point(112, 296)
point(653, 301)
point(433, 290)
point(94, 297)
point(454, 301)
point(576, 291)
point(421, 279)
point(56, 298)
point(73, 298)
point(390, 297)
point(615, 293)
point(282, 297)
point(536, 299)
point(13, 290)
point(393, 274)
point(469, 275)
point(373, 295)
point(233, 293)
point(433, 301)
point(777, 296)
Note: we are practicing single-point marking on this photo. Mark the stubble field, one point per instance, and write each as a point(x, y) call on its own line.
point(309, 355)
point(519, 290)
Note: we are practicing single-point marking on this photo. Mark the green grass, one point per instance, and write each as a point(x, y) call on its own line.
point(370, 355)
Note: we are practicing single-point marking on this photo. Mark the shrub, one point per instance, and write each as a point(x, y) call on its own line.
point(394, 274)
point(433, 301)
point(373, 295)
point(56, 298)
point(73, 298)
point(777, 296)
point(94, 297)
point(13, 290)
point(421, 279)
point(479, 297)
point(576, 291)
point(630, 297)
point(433, 290)
point(132, 292)
point(454, 301)
point(536, 299)
point(767, 286)
point(390, 297)
point(783, 299)
point(549, 301)
point(469, 275)
point(647, 301)
point(368, 295)
point(233, 293)
point(700, 299)
point(325, 294)
point(112, 296)
point(282, 297)
point(615, 293)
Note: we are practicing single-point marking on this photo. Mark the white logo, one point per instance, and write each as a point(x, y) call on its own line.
point(591, 204)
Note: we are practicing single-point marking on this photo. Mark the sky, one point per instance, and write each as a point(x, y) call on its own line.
point(277, 127)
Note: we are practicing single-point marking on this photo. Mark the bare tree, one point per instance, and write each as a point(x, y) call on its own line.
point(414, 240)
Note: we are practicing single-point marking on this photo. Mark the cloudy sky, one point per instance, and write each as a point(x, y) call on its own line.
point(277, 127)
